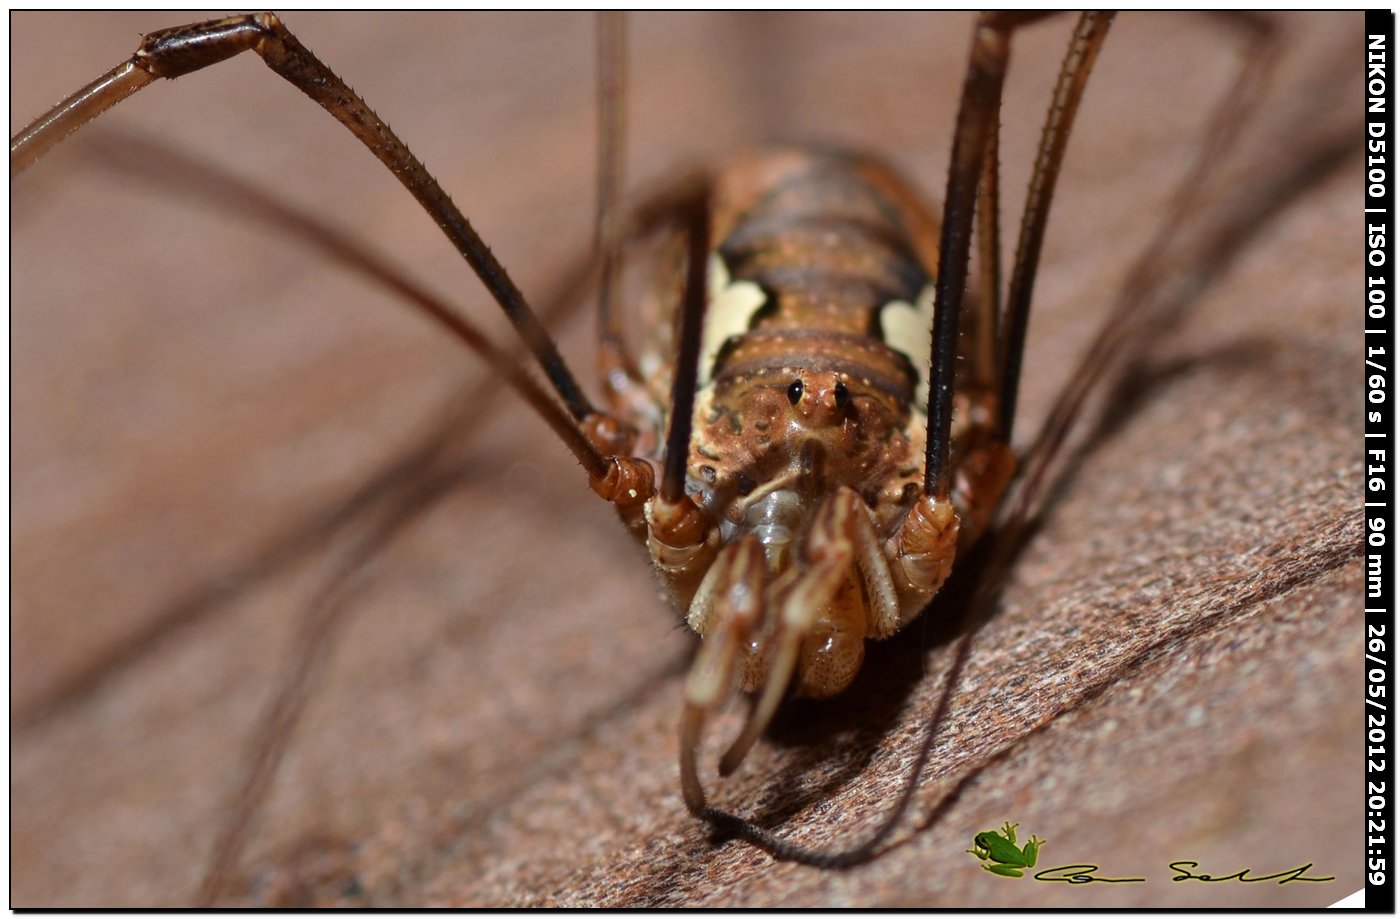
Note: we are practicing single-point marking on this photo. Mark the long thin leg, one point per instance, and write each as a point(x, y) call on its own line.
point(1135, 300)
point(279, 718)
point(677, 523)
point(923, 546)
point(613, 359)
point(172, 53)
point(688, 353)
point(978, 113)
point(1089, 34)
point(984, 348)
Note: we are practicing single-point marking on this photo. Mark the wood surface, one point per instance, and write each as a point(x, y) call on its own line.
point(1174, 671)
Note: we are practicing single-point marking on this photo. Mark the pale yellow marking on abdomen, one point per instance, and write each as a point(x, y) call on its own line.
point(730, 312)
point(908, 328)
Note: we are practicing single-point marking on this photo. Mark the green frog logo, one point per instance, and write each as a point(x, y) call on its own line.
point(999, 848)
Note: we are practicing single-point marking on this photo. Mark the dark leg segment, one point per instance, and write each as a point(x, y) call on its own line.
point(978, 115)
point(1089, 34)
point(688, 357)
point(985, 348)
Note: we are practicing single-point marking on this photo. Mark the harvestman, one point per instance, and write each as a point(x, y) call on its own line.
point(827, 441)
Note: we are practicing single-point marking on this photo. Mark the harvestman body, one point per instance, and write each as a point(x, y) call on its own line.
point(805, 444)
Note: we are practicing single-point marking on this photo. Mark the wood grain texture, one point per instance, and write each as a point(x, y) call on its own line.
point(1172, 673)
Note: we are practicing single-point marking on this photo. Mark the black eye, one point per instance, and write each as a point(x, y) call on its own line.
point(795, 392)
point(843, 395)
